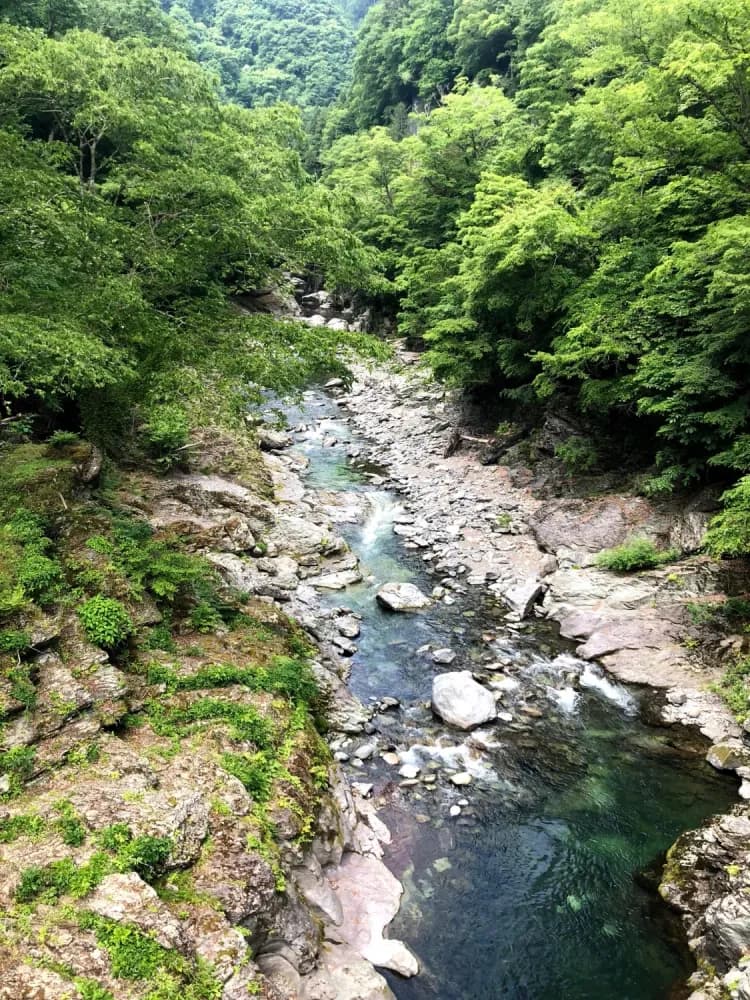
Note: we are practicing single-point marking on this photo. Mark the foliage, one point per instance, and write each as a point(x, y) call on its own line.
point(568, 225)
point(134, 204)
point(633, 555)
point(105, 621)
point(578, 454)
point(266, 51)
point(735, 688)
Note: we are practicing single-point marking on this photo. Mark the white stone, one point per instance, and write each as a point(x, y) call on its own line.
point(460, 701)
point(409, 770)
point(462, 778)
point(402, 597)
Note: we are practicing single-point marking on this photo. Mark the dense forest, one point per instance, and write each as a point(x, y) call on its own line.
point(558, 195)
point(550, 196)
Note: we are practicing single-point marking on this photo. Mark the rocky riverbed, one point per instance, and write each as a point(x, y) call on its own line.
point(482, 527)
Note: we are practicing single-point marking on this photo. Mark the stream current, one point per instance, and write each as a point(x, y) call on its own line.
point(539, 889)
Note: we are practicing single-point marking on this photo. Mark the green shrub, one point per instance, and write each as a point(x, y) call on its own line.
point(578, 454)
point(734, 687)
point(256, 771)
point(39, 576)
point(69, 824)
point(13, 827)
point(638, 553)
point(166, 432)
point(13, 641)
point(89, 989)
point(63, 439)
point(729, 532)
point(145, 855)
point(105, 621)
point(18, 764)
point(22, 687)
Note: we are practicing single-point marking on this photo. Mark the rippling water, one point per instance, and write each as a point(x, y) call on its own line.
point(534, 891)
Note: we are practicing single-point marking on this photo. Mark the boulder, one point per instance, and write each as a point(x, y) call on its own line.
point(443, 656)
point(460, 701)
point(402, 597)
point(522, 597)
point(273, 440)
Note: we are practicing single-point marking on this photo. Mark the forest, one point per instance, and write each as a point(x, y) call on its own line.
point(551, 197)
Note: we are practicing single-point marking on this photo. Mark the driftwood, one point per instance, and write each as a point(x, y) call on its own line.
point(457, 439)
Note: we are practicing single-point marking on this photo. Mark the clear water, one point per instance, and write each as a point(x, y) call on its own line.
point(534, 892)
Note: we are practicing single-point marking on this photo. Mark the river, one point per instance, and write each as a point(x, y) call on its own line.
point(533, 889)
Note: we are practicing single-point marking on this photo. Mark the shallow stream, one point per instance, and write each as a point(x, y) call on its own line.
point(534, 890)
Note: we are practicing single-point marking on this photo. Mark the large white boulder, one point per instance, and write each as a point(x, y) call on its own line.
point(460, 701)
point(402, 597)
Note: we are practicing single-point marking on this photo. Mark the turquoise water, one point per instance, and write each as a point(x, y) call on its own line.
point(535, 891)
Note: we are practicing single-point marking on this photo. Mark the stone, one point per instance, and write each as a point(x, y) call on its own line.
point(370, 898)
point(345, 646)
point(128, 899)
point(460, 701)
point(343, 974)
point(522, 597)
point(462, 778)
point(273, 440)
point(454, 811)
point(348, 626)
point(409, 771)
point(443, 656)
point(363, 788)
point(337, 581)
point(365, 751)
point(392, 759)
point(402, 597)
point(727, 757)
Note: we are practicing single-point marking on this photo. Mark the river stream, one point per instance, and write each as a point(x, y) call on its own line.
point(533, 889)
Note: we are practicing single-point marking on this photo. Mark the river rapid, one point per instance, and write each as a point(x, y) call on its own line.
point(536, 881)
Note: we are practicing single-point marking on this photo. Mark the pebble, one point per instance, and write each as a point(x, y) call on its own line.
point(462, 778)
point(505, 716)
point(365, 751)
point(409, 771)
point(463, 802)
point(390, 758)
point(455, 811)
point(408, 783)
point(341, 757)
point(388, 702)
point(532, 712)
point(429, 779)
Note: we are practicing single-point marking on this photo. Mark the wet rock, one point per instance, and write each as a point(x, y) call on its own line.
point(348, 626)
point(409, 771)
point(443, 656)
point(462, 778)
point(365, 751)
point(402, 597)
point(460, 701)
point(337, 581)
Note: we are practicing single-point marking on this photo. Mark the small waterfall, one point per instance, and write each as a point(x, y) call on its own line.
point(593, 678)
point(379, 521)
